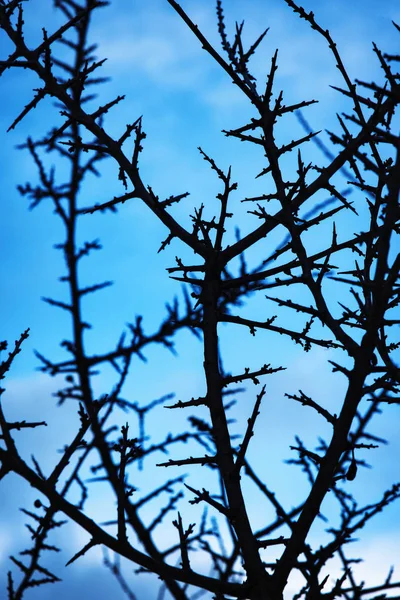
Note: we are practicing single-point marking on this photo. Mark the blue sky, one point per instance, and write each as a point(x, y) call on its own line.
point(186, 100)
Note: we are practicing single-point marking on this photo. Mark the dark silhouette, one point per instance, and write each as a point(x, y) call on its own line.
point(216, 284)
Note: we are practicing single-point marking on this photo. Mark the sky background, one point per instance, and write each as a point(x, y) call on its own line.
point(186, 100)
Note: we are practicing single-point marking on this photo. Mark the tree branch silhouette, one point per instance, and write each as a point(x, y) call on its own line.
point(238, 555)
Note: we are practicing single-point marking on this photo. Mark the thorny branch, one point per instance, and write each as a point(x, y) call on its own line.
point(369, 157)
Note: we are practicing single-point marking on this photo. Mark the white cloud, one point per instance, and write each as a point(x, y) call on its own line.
point(5, 543)
point(379, 553)
point(162, 49)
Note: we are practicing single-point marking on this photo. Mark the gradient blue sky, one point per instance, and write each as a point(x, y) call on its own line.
point(185, 100)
